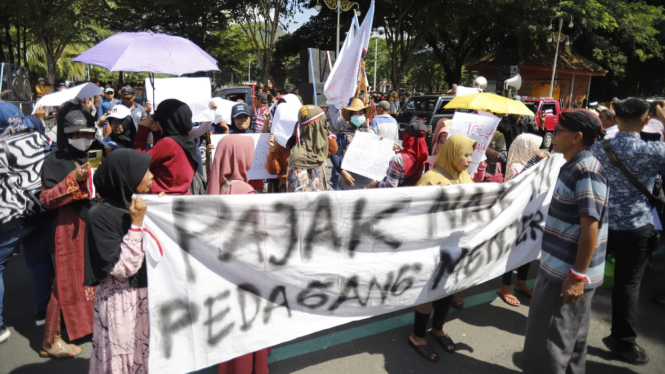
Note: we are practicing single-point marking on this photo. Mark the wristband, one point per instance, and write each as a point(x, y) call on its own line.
point(579, 276)
point(136, 228)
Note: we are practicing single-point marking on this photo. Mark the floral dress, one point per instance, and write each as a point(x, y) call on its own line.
point(122, 326)
point(307, 180)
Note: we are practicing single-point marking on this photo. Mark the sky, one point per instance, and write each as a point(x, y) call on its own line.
point(300, 19)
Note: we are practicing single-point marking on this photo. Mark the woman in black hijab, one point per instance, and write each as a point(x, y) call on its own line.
point(66, 188)
point(174, 154)
point(115, 263)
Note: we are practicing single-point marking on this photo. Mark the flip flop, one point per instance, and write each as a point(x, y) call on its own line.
point(446, 341)
point(528, 293)
point(426, 351)
point(59, 350)
point(506, 297)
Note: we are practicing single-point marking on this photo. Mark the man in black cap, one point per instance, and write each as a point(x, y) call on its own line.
point(61, 86)
point(261, 105)
point(630, 237)
point(128, 97)
point(241, 115)
point(573, 252)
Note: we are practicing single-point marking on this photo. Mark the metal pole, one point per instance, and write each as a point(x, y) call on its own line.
point(572, 84)
point(339, 11)
point(376, 48)
point(588, 92)
point(556, 56)
point(249, 71)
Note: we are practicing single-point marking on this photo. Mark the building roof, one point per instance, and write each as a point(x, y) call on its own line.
point(532, 53)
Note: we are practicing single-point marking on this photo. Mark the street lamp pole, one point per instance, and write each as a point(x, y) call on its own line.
point(376, 48)
point(249, 71)
point(340, 6)
point(339, 12)
point(556, 56)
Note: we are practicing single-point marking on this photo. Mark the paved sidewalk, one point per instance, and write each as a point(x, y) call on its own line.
point(489, 333)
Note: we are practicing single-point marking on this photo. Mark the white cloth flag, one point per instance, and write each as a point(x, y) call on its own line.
point(480, 128)
point(368, 155)
point(244, 272)
point(343, 79)
point(285, 119)
point(195, 92)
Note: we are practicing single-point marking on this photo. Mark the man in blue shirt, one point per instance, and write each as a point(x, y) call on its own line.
point(631, 222)
point(105, 106)
point(383, 123)
point(573, 253)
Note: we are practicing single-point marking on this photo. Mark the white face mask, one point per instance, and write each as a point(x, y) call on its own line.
point(82, 144)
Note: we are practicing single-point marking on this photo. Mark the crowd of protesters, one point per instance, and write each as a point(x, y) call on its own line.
point(81, 232)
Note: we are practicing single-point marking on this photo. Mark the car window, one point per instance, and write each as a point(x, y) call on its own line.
point(235, 97)
point(442, 110)
point(532, 105)
point(550, 109)
point(421, 105)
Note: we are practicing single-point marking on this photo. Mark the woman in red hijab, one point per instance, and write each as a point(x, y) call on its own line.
point(228, 176)
point(408, 164)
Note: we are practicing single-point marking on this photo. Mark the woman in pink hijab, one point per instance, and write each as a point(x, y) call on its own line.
point(228, 176)
point(233, 159)
point(440, 136)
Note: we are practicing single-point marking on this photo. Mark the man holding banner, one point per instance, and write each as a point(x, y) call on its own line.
point(573, 253)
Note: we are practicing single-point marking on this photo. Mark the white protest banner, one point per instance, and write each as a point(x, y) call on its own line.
point(224, 109)
point(195, 92)
point(244, 272)
point(285, 119)
point(368, 155)
point(480, 128)
point(261, 150)
point(461, 90)
point(55, 99)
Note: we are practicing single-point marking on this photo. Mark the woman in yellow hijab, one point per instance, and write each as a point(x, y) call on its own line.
point(449, 168)
point(451, 163)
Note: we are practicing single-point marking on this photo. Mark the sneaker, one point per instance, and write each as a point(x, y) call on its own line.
point(4, 334)
point(40, 318)
point(635, 355)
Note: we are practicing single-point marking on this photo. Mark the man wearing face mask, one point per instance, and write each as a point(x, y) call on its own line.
point(356, 114)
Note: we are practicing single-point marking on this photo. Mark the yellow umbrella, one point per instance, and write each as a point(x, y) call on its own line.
point(491, 102)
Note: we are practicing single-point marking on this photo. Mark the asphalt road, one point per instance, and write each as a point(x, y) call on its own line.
point(489, 333)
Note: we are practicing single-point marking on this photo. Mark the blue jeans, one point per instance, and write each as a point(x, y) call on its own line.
point(335, 177)
point(8, 243)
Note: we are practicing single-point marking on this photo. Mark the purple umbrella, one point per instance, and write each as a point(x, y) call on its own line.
point(148, 52)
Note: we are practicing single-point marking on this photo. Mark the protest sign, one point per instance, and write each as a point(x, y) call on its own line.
point(261, 150)
point(368, 155)
point(230, 275)
point(480, 128)
point(224, 109)
point(55, 99)
point(195, 92)
point(461, 90)
point(285, 119)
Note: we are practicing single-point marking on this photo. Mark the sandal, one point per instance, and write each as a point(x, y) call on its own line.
point(458, 302)
point(60, 350)
point(508, 299)
point(446, 342)
point(528, 293)
point(426, 351)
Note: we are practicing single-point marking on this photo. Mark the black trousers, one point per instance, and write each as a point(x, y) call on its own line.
point(441, 308)
point(631, 250)
point(522, 273)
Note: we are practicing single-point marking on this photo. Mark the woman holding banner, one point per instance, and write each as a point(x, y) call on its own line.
point(115, 263)
point(228, 176)
point(449, 168)
point(309, 151)
point(524, 153)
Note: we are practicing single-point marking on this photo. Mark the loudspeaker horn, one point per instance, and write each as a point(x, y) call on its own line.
point(480, 82)
point(514, 82)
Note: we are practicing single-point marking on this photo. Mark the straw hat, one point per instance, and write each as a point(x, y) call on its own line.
point(357, 105)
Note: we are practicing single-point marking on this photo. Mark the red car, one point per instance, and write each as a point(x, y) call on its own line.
point(551, 107)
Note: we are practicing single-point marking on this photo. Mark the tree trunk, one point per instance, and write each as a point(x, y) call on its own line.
point(121, 78)
point(25, 47)
point(50, 63)
point(2, 51)
point(10, 47)
point(18, 45)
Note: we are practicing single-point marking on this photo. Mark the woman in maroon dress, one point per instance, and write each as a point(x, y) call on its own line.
point(228, 176)
point(64, 187)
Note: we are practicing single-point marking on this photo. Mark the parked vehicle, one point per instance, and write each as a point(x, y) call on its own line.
point(552, 108)
point(235, 93)
point(430, 108)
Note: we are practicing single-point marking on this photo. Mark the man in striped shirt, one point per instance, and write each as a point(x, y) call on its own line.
point(573, 256)
point(260, 103)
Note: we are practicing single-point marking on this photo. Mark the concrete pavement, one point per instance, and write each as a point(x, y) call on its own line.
point(489, 333)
